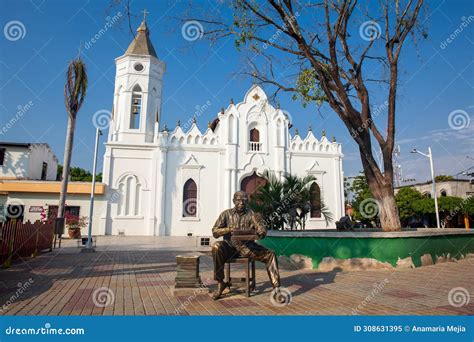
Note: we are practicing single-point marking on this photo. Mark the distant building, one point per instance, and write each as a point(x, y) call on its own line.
point(30, 161)
point(29, 190)
point(462, 188)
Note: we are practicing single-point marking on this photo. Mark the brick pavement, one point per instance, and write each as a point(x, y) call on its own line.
point(132, 276)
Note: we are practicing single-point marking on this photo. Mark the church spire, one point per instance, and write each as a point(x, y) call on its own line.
point(142, 45)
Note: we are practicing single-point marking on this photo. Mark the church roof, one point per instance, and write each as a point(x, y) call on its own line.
point(142, 45)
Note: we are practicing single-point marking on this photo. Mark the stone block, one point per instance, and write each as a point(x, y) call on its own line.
point(426, 260)
point(405, 263)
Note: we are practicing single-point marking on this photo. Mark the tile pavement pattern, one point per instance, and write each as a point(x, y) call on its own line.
point(132, 276)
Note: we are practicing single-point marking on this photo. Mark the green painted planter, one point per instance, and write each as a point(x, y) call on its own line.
point(382, 246)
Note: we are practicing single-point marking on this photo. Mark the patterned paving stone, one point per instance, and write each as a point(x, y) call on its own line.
point(122, 278)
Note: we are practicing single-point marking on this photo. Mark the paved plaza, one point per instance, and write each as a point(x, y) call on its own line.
point(134, 275)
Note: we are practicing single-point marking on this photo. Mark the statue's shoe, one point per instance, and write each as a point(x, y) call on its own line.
point(221, 287)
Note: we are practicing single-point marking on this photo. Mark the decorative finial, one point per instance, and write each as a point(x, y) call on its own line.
point(323, 133)
point(208, 124)
point(178, 123)
point(231, 101)
point(310, 129)
point(194, 120)
point(333, 138)
point(165, 128)
point(145, 12)
point(296, 131)
point(254, 75)
point(222, 110)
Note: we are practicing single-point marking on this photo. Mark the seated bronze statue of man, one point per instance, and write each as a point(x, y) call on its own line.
point(230, 222)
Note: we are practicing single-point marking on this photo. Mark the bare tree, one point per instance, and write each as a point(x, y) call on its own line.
point(333, 46)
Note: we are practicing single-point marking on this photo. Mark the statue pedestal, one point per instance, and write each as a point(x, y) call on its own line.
point(188, 281)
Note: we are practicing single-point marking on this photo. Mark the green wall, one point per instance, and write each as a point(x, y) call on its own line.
point(381, 249)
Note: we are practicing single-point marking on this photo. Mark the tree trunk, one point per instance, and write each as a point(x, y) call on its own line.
point(387, 206)
point(71, 124)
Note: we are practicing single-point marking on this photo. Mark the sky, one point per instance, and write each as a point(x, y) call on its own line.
point(435, 102)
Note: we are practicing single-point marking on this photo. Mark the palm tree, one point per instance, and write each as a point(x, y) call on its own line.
point(286, 202)
point(74, 94)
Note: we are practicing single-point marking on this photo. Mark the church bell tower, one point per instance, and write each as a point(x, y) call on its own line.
point(137, 94)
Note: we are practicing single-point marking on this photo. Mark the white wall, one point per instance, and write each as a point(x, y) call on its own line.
point(27, 163)
point(40, 153)
point(16, 162)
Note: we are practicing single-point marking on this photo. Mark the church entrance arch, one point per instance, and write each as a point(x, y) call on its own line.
point(250, 184)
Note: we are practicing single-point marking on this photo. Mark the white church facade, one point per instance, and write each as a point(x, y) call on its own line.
point(176, 182)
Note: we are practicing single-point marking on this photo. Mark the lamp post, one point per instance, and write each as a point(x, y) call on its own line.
point(430, 156)
point(88, 247)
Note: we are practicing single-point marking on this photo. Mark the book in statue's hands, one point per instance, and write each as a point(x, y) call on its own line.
point(244, 235)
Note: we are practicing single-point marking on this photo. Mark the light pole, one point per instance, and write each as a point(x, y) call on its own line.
point(88, 247)
point(430, 156)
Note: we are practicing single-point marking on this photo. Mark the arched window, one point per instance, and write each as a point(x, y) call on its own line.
point(136, 107)
point(190, 198)
point(254, 143)
point(427, 194)
point(315, 195)
point(252, 183)
point(443, 193)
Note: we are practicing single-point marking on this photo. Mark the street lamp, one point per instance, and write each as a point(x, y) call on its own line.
point(88, 247)
point(430, 156)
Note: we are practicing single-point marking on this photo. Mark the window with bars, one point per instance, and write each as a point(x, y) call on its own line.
point(190, 198)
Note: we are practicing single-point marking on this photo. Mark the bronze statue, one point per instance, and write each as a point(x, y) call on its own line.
point(241, 218)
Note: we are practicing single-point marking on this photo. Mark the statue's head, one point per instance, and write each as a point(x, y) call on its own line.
point(240, 201)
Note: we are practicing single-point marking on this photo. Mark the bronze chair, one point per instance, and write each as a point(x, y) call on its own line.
point(249, 270)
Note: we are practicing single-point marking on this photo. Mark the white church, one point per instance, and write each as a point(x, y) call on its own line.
point(174, 182)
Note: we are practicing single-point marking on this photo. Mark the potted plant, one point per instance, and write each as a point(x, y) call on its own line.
point(74, 225)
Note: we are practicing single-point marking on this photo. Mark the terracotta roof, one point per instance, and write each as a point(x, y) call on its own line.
point(141, 45)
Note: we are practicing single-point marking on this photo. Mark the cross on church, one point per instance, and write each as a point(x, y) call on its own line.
point(145, 12)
